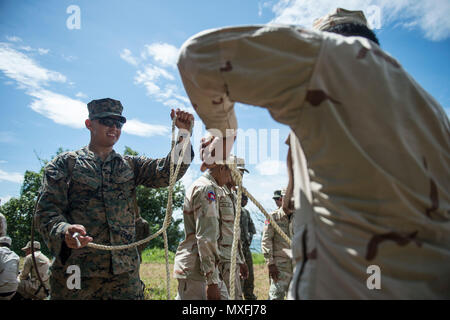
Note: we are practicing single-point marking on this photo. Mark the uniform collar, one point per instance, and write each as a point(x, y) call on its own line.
point(91, 155)
point(208, 176)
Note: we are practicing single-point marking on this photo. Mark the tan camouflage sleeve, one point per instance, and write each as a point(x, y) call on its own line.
point(26, 268)
point(52, 204)
point(155, 173)
point(206, 224)
point(248, 65)
point(267, 242)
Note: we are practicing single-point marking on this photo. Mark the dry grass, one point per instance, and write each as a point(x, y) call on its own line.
point(154, 277)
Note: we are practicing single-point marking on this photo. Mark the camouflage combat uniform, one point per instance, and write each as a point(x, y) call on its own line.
point(370, 154)
point(197, 256)
point(277, 251)
point(29, 285)
point(227, 211)
point(98, 195)
point(247, 231)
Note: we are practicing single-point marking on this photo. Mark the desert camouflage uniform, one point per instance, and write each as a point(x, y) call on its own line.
point(29, 285)
point(247, 231)
point(277, 251)
point(3, 225)
point(373, 187)
point(98, 195)
point(227, 211)
point(197, 256)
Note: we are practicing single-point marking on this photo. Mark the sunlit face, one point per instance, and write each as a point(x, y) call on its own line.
point(101, 135)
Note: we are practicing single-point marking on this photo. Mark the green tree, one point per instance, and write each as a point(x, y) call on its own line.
point(153, 204)
point(18, 212)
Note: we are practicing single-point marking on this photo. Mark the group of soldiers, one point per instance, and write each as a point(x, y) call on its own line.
point(367, 165)
point(203, 259)
point(21, 284)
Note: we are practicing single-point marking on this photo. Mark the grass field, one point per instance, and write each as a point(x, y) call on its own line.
point(153, 273)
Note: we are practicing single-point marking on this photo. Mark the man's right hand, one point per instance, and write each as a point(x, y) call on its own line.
point(213, 292)
point(71, 242)
point(273, 272)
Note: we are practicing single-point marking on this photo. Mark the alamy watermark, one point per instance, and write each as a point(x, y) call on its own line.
point(374, 280)
point(74, 20)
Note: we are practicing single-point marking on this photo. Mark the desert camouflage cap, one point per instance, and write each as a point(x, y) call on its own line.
point(339, 16)
point(37, 245)
point(107, 107)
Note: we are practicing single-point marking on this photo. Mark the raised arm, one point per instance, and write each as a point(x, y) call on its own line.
point(267, 66)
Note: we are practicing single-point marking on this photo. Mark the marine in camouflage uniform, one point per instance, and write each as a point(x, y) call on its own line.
point(92, 193)
point(197, 256)
point(247, 231)
point(277, 252)
point(29, 285)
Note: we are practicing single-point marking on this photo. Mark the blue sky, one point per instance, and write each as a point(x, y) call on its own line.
point(127, 50)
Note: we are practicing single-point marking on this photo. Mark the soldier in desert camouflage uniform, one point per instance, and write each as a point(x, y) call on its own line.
point(277, 251)
point(197, 257)
point(227, 211)
point(29, 285)
point(370, 150)
point(90, 191)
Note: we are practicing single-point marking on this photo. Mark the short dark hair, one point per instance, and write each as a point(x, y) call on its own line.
point(353, 29)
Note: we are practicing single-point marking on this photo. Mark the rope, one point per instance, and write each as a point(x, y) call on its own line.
point(236, 228)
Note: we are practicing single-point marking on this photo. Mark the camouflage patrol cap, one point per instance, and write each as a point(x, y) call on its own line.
point(277, 194)
point(339, 16)
point(37, 245)
point(103, 108)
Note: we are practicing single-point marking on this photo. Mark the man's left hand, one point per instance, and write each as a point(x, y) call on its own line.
point(184, 119)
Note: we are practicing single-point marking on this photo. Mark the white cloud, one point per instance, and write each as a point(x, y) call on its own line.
point(3, 161)
point(59, 108)
point(271, 167)
point(5, 199)
point(43, 51)
point(13, 39)
point(81, 95)
point(163, 53)
point(155, 77)
point(24, 70)
point(11, 176)
point(69, 58)
point(128, 57)
point(142, 129)
point(152, 73)
point(430, 16)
